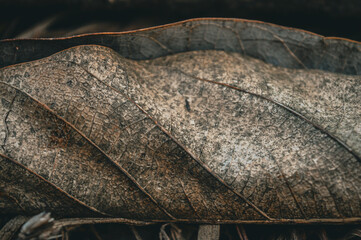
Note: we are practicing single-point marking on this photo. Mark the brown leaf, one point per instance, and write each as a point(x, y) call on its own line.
point(203, 136)
point(280, 46)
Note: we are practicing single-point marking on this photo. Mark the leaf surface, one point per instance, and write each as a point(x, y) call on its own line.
point(198, 136)
point(280, 46)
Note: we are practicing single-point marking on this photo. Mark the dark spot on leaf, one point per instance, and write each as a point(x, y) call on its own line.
point(187, 106)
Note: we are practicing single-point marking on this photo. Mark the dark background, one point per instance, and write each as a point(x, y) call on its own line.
point(55, 18)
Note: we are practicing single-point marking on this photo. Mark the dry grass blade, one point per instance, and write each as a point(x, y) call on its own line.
point(135, 232)
point(175, 232)
point(354, 235)
point(241, 232)
point(94, 231)
point(162, 233)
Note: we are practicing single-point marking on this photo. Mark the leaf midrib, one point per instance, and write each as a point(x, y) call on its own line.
point(201, 163)
point(128, 175)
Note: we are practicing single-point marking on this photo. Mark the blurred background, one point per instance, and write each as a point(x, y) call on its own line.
point(55, 18)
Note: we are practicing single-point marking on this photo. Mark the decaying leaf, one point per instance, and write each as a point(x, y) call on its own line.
point(273, 44)
point(205, 136)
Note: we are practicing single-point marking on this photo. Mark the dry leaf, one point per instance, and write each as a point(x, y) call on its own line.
point(204, 136)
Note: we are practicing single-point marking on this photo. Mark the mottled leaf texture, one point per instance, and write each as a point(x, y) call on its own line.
point(204, 136)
